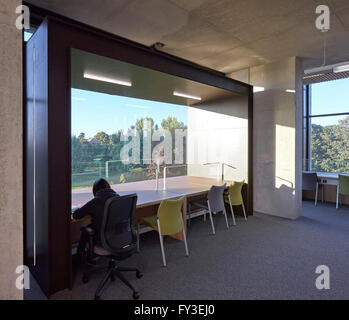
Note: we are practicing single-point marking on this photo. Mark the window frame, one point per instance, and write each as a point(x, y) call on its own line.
point(307, 134)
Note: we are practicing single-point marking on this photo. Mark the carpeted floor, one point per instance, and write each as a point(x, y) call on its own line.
point(264, 258)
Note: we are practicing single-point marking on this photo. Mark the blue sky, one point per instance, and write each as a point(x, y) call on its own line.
point(330, 97)
point(93, 112)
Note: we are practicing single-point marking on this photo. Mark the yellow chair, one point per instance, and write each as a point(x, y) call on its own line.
point(342, 187)
point(168, 221)
point(234, 197)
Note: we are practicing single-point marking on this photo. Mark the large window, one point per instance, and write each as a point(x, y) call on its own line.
point(131, 124)
point(104, 125)
point(326, 127)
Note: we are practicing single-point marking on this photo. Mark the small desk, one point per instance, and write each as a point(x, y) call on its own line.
point(148, 198)
point(328, 180)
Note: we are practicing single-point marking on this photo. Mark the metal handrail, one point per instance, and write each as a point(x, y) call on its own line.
point(228, 165)
point(157, 169)
point(210, 163)
point(223, 164)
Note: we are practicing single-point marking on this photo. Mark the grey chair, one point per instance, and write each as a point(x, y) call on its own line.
point(213, 204)
point(310, 182)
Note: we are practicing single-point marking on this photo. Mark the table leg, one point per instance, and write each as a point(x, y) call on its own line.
point(322, 187)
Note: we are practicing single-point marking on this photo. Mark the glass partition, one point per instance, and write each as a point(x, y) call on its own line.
point(131, 124)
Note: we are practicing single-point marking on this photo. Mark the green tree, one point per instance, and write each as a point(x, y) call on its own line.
point(115, 138)
point(143, 124)
point(172, 124)
point(330, 147)
point(81, 137)
point(102, 137)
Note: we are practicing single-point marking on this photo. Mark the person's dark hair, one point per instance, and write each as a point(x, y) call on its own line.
point(99, 185)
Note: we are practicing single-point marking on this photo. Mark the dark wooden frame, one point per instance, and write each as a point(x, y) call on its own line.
point(62, 35)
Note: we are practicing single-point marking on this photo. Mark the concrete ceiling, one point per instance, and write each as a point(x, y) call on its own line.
point(226, 35)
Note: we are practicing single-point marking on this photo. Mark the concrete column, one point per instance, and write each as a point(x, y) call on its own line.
point(278, 138)
point(11, 155)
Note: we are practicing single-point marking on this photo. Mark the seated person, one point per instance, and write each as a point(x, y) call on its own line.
point(95, 209)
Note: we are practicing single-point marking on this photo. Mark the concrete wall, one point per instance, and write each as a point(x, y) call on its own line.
point(218, 132)
point(11, 157)
point(278, 138)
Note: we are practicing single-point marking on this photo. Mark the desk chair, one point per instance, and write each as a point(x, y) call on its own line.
point(167, 221)
point(310, 182)
point(233, 197)
point(118, 241)
point(213, 204)
point(342, 187)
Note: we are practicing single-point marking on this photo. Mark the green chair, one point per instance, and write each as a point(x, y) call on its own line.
point(233, 197)
point(342, 187)
point(168, 221)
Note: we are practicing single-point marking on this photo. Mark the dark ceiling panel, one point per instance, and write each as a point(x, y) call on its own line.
point(146, 83)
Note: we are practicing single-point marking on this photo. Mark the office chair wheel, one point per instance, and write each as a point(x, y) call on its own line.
point(135, 295)
point(85, 278)
point(139, 274)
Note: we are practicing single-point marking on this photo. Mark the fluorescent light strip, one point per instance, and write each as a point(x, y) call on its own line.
point(314, 76)
point(341, 68)
point(258, 89)
point(290, 91)
point(179, 94)
point(338, 67)
point(106, 79)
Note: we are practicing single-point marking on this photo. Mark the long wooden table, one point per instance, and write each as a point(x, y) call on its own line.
point(148, 200)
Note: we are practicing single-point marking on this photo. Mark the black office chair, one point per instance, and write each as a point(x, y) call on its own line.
point(118, 241)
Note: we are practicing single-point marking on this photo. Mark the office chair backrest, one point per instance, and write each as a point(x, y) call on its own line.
point(309, 180)
point(117, 234)
point(235, 192)
point(343, 181)
point(170, 216)
point(215, 197)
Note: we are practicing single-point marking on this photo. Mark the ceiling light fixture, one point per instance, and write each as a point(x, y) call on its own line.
point(314, 76)
point(338, 67)
point(290, 90)
point(342, 68)
point(184, 95)
point(106, 79)
point(324, 69)
point(258, 89)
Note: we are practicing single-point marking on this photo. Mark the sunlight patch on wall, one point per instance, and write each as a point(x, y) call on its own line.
point(285, 157)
